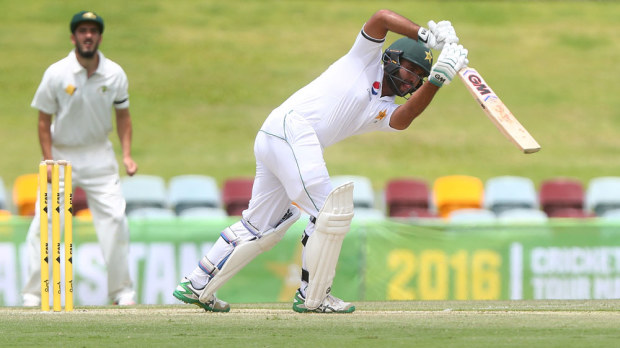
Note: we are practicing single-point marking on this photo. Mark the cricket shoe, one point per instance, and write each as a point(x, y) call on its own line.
point(30, 300)
point(125, 299)
point(185, 292)
point(331, 304)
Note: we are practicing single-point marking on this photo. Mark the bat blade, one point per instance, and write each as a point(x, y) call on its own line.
point(497, 111)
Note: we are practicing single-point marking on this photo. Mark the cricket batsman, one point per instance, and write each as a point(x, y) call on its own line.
point(355, 95)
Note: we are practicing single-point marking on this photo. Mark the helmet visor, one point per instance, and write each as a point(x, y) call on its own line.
point(405, 81)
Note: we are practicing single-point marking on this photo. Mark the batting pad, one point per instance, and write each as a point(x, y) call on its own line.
point(323, 247)
point(246, 251)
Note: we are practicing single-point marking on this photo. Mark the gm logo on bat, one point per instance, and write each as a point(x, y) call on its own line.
point(479, 83)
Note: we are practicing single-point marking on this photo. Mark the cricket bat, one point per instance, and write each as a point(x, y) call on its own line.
point(495, 109)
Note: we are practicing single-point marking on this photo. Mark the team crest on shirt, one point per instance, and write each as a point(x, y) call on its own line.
point(70, 89)
point(103, 89)
point(380, 116)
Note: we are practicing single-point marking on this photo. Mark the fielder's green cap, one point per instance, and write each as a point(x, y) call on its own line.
point(86, 16)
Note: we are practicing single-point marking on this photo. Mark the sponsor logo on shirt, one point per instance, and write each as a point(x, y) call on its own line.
point(375, 87)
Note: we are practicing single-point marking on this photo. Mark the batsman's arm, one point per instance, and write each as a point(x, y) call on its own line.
point(436, 37)
point(385, 20)
point(413, 107)
point(452, 58)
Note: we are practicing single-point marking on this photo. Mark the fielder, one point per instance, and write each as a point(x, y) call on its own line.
point(80, 91)
point(354, 95)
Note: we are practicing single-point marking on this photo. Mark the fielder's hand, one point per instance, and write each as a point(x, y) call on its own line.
point(130, 165)
point(453, 58)
point(440, 34)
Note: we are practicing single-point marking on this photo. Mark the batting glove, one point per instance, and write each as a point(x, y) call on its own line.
point(453, 58)
point(439, 34)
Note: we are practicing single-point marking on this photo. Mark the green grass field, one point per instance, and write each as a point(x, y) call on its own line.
point(374, 324)
point(204, 75)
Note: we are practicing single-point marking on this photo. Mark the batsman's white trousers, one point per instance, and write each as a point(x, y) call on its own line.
point(289, 168)
point(94, 168)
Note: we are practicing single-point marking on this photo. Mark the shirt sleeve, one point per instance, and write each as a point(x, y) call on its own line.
point(121, 100)
point(366, 48)
point(44, 99)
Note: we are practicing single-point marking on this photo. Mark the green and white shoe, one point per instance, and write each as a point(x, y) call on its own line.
point(330, 304)
point(185, 292)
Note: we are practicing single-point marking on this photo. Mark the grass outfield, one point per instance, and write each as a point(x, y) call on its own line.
point(374, 324)
point(205, 74)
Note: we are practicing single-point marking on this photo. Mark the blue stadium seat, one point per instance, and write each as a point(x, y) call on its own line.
point(611, 215)
point(367, 214)
point(192, 191)
point(144, 191)
point(3, 198)
point(363, 196)
point(522, 215)
point(363, 193)
point(472, 216)
point(203, 212)
point(602, 195)
point(151, 213)
point(509, 192)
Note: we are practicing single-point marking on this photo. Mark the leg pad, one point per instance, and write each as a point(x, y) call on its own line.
point(323, 247)
point(246, 251)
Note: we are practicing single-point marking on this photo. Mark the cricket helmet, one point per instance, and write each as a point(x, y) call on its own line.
point(411, 50)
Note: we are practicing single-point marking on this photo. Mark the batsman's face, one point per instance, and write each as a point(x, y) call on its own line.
point(410, 74)
point(86, 39)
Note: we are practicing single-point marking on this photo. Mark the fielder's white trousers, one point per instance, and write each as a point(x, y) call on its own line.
point(94, 169)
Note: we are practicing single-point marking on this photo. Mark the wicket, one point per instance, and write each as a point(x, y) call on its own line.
point(68, 232)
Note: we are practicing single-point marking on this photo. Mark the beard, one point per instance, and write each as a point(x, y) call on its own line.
point(86, 54)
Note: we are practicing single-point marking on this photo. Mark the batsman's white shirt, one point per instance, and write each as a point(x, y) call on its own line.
point(82, 109)
point(343, 101)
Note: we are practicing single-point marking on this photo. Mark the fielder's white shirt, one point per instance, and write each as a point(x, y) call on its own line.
point(82, 105)
point(346, 99)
